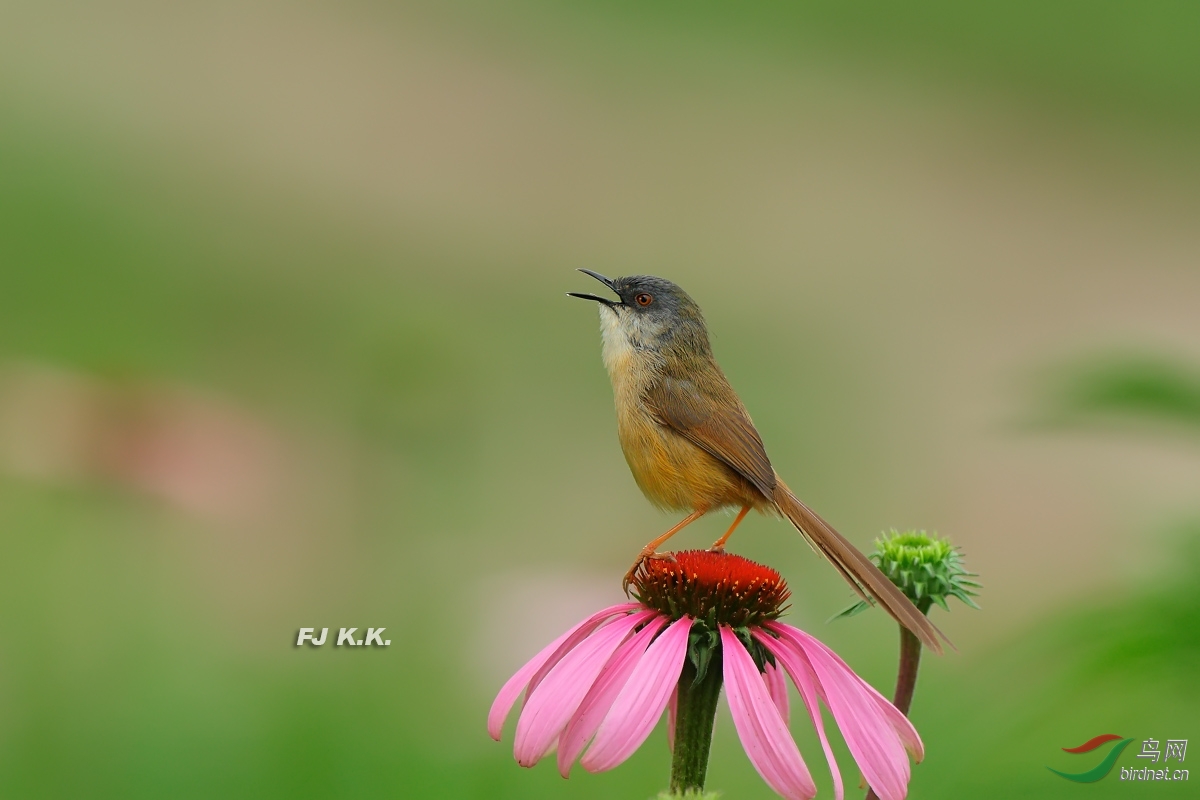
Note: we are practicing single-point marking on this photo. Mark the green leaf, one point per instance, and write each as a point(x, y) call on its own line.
point(702, 644)
point(850, 611)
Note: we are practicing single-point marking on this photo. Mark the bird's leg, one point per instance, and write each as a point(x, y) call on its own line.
point(648, 551)
point(719, 544)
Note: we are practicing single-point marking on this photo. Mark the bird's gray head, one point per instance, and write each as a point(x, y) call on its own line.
point(650, 314)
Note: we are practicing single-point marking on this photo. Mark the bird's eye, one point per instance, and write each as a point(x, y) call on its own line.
point(643, 299)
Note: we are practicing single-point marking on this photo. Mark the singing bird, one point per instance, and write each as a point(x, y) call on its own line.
point(690, 443)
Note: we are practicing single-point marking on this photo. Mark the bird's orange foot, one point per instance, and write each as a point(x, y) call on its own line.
point(643, 557)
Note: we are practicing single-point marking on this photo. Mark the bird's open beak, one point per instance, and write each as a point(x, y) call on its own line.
point(606, 281)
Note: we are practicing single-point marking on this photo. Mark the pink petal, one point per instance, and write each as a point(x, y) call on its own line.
point(549, 655)
point(764, 735)
point(604, 691)
point(796, 663)
point(777, 689)
point(900, 723)
point(551, 704)
point(868, 732)
point(580, 633)
point(641, 701)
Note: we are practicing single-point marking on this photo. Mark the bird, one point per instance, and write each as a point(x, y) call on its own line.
point(690, 443)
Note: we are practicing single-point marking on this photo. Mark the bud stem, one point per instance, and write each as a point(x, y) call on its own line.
point(906, 673)
point(696, 710)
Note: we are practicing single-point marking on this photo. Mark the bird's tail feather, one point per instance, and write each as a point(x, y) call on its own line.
point(866, 579)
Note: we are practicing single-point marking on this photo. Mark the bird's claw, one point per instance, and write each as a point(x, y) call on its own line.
point(643, 557)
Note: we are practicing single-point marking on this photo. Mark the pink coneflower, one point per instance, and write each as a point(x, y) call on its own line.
point(702, 619)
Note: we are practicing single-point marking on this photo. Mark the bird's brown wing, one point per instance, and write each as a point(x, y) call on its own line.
point(717, 425)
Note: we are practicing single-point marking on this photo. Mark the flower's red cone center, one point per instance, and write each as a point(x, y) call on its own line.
point(719, 587)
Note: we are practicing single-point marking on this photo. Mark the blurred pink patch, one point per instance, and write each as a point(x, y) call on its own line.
point(199, 454)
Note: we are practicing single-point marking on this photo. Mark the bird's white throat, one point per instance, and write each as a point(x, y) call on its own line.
point(617, 349)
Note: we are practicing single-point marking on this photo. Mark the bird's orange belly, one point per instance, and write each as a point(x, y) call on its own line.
point(676, 474)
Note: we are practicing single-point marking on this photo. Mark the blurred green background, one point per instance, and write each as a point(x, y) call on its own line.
point(284, 343)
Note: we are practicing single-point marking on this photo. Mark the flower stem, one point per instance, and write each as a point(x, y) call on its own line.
point(906, 673)
point(696, 709)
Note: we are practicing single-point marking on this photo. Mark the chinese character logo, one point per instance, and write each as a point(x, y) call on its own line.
point(1150, 750)
point(1154, 751)
point(1105, 766)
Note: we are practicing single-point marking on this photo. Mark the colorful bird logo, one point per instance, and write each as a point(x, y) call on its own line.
point(1104, 767)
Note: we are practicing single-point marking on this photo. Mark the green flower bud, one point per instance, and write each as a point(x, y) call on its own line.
point(927, 568)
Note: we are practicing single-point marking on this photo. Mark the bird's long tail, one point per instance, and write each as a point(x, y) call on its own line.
point(871, 584)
